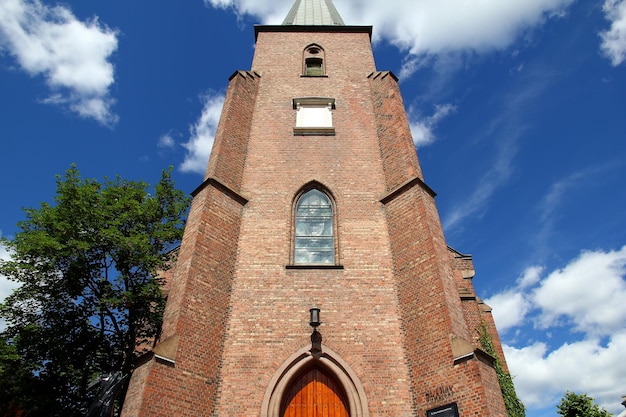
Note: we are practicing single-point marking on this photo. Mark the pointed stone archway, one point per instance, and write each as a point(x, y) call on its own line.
point(324, 374)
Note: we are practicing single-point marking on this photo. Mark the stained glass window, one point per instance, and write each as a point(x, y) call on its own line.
point(314, 240)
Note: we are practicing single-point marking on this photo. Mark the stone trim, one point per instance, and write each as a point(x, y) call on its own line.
point(332, 363)
point(313, 266)
point(406, 186)
point(301, 29)
point(217, 184)
point(314, 131)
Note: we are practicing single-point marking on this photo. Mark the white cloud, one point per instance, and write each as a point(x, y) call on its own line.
point(576, 181)
point(436, 26)
point(555, 195)
point(270, 12)
point(505, 130)
point(71, 55)
point(512, 307)
point(202, 134)
point(587, 366)
point(411, 64)
point(423, 129)
point(585, 297)
point(495, 177)
point(426, 27)
point(562, 192)
point(6, 286)
point(614, 40)
point(530, 277)
point(590, 292)
point(166, 141)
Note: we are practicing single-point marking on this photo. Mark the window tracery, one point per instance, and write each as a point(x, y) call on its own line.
point(314, 241)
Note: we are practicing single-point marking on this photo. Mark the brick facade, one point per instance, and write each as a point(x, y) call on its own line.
point(398, 308)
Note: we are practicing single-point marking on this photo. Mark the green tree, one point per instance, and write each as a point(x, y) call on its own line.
point(89, 291)
point(580, 405)
point(10, 367)
point(514, 406)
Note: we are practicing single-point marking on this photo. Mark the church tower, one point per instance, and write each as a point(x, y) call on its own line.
point(314, 212)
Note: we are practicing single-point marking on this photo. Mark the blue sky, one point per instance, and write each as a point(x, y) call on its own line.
point(517, 110)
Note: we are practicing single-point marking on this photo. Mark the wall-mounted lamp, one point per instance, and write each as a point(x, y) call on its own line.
point(316, 337)
point(315, 318)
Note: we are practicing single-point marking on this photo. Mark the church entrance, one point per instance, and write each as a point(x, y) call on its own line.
point(315, 394)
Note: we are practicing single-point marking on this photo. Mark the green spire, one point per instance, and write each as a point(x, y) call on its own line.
point(313, 13)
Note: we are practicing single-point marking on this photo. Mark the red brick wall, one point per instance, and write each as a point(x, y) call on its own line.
point(392, 126)
point(135, 394)
point(237, 309)
point(428, 278)
point(487, 319)
point(200, 289)
point(476, 312)
point(269, 319)
point(230, 147)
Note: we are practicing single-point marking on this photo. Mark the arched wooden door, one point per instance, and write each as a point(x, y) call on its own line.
point(315, 394)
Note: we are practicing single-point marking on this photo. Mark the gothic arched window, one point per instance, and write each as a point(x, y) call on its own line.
point(314, 241)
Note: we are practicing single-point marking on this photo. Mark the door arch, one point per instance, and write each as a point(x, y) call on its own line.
point(298, 364)
point(315, 393)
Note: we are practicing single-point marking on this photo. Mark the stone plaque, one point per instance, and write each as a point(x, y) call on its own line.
point(449, 410)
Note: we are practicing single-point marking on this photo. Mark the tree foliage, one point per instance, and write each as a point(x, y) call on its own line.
point(580, 405)
point(89, 293)
point(514, 406)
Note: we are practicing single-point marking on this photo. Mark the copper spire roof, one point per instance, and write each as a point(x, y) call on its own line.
point(313, 13)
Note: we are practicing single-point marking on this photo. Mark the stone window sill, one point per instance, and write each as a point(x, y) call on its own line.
point(314, 266)
point(314, 131)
